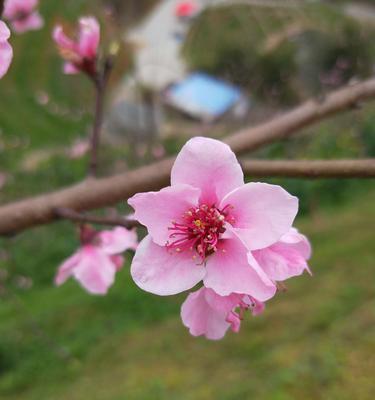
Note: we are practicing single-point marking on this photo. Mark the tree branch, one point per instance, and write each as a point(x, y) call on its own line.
point(71, 215)
point(1, 7)
point(100, 82)
point(310, 169)
point(304, 115)
point(97, 193)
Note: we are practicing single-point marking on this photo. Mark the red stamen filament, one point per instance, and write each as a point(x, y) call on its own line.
point(200, 230)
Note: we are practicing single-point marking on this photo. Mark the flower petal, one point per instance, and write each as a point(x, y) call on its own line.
point(118, 240)
point(262, 212)
point(89, 37)
point(157, 210)
point(6, 51)
point(156, 270)
point(209, 165)
point(232, 269)
point(201, 318)
point(32, 22)
point(286, 258)
point(300, 242)
point(66, 269)
point(96, 271)
point(63, 41)
point(4, 32)
point(70, 69)
point(222, 303)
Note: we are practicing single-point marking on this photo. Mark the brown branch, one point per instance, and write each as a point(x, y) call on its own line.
point(71, 215)
point(100, 82)
point(304, 115)
point(97, 193)
point(1, 7)
point(310, 169)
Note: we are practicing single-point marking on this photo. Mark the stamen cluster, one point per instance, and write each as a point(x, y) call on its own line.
point(200, 230)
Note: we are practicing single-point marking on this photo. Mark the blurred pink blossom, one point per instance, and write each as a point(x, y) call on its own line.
point(79, 148)
point(22, 15)
point(206, 313)
point(158, 151)
point(206, 225)
point(80, 55)
point(95, 263)
point(6, 51)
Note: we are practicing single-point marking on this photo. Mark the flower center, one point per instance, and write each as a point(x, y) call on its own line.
point(199, 230)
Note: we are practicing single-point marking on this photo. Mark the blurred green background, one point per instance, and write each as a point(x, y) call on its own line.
point(316, 341)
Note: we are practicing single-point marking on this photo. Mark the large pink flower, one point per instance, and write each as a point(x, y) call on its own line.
point(206, 225)
point(80, 55)
point(206, 313)
point(286, 258)
point(22, 14)
point(6, 52)
point(95, 264)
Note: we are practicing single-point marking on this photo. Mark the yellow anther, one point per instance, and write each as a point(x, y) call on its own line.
point(198, 223)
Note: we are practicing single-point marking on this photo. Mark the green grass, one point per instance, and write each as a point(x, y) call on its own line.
point(313, 342)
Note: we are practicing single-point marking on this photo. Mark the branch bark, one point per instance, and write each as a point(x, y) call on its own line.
point(97, 193)
point(310, 169)
point(310, 112)
point(71, 215)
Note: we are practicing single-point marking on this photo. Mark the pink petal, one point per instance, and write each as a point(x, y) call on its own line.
point(6, 55)
point(33, 22)
point(286, 258)
point(201, 319)
point(157, 210)
point(300, 242)
point(70, 69)
point(89, 36)
point(95, 272)
point(257, 307)
point(232, 269)
point(118, 261)
point(62, 40)
point(235, 321)
point(4, 32)
point(209, 165)
point(118, 240)
point(222, 303)
point(67, 268)
point(14, 7)
point(6, 51)
point(156, 270)
point(262, 212)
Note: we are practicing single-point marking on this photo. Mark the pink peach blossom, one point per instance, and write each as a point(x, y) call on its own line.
point(95, 264)
point(22, 15)
point(206, 225)
point(206, 313)
point(79, 148)
point(6, 52)
point(80, 55)
point(286, 258)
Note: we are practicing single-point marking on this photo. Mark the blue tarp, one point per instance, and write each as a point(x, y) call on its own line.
point(203, 96)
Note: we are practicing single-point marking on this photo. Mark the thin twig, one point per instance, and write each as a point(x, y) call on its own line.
point(310, 169)
point(100, 82)
point(1, 7)
point(71, 215)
